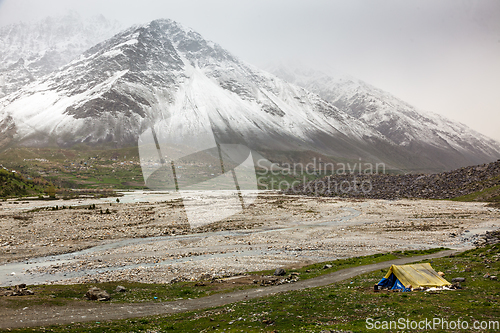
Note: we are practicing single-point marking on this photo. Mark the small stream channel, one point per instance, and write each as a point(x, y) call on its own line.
point(14, 273)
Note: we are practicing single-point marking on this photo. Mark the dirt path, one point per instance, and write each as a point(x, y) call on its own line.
point(43, 316)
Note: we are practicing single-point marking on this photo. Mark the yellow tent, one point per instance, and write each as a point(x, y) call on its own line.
point(417, 275)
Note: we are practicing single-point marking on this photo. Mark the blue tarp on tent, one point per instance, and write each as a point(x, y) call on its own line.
point(392, 283)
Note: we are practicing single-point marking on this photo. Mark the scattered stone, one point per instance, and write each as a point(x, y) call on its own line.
point(18, 290)
point(6, 292)
point(458, 279)
point(489, 238)
point(218, 267)
point(120, 289)
point(279, 272)
point(269, 281)
point(443, 185)
point(267, 321)
point(441, 274)
point(97, 294)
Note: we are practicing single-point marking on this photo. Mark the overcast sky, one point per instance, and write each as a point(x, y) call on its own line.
point(440, 56)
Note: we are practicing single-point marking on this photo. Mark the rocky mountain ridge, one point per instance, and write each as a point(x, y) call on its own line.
point(161, 75)
point(162, 71)
point(29, 51)
point(429, 135)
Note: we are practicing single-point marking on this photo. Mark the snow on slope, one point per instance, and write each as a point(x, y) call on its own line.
point(29, 51)
point(412, 129)
point(161, 70)
point(145, 74)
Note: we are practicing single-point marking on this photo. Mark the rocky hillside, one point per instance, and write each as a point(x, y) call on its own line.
point(164, 78)
point(443, 143)
point(14, 184)
point(30, 50)
point(164, 75)
point(480, 183)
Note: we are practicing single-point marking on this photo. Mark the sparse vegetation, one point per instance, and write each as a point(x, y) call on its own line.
point(78, 168)
point(490, 194)
point(345, 305)
point(14, 184)
point(142, 292)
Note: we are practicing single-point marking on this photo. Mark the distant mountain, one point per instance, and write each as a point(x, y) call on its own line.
point(162, 73)
point(29, 51)
point(443, 143)
point(161, 70)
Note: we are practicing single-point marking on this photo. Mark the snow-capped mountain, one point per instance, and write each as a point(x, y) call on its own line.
point(427, 135)
point(160, 70)
point(146, 74)
point(29, 51)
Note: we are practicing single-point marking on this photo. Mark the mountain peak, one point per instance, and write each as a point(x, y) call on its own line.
point(43, 46)
point(163, 75)
point(429, 135)
point(162, 71)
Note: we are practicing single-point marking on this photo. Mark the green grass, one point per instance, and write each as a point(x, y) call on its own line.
point(14, 185)
point(66, 295)
point(491, 195)
point(69, 295)
point(78, 168)
point(314, 270)
point(98, 167)
point(344, 305)
point(140, 292)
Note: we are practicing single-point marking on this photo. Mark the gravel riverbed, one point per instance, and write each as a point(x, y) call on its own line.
point(150, 240)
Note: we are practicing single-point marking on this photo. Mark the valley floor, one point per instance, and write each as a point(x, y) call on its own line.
point(146, 237)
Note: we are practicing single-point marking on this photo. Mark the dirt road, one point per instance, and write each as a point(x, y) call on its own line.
point(43, 316)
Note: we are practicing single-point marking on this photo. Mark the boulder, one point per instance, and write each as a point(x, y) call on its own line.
point(120, 289)
point(18, 290)
point(458, 279)
point(279, 272)
point(97, 294)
